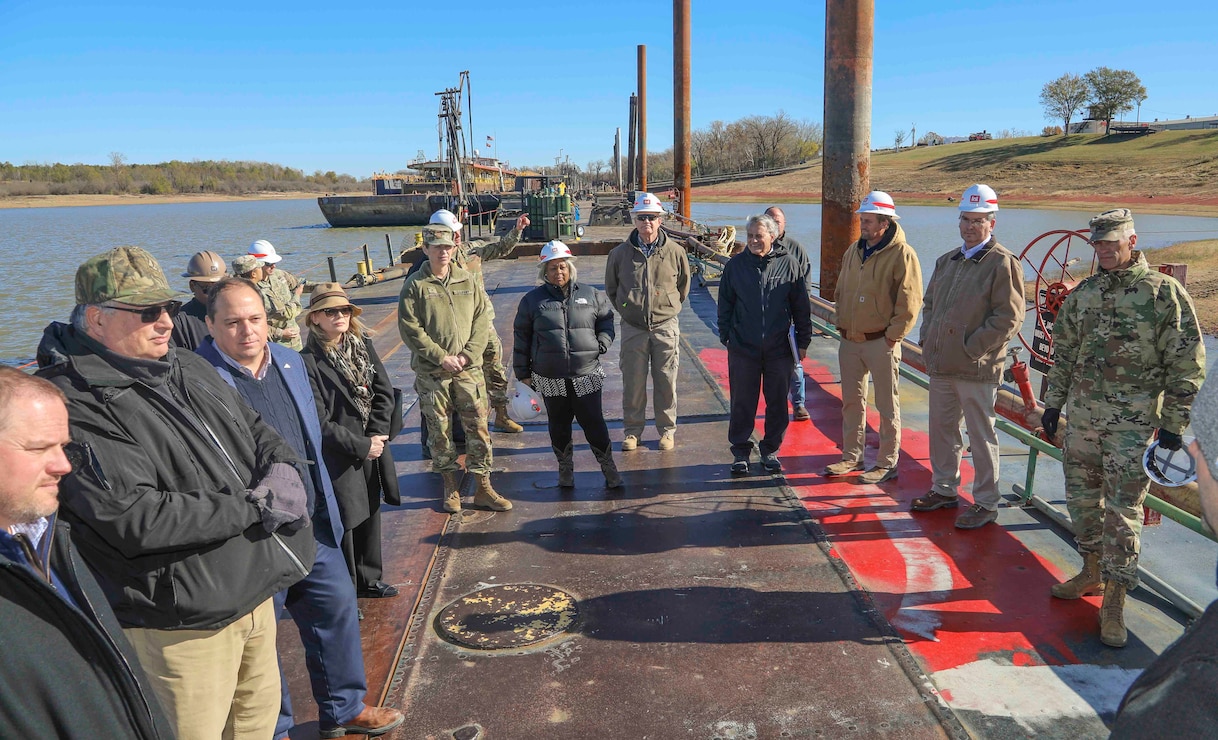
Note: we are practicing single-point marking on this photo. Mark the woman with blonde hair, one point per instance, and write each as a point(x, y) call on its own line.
point(356, 399)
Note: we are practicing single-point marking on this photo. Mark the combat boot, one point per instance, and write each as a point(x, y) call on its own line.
point(613, 479)
point(566, 466)
point(1112, 616)
point(503, 422)
point(486, 496)
point(1087, 583)
point(451, 495)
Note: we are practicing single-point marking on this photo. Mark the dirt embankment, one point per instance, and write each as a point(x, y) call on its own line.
point(55, 201)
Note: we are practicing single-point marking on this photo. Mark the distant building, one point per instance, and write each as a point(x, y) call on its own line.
point(1094, 126)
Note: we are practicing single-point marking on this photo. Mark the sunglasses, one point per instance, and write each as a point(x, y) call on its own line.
point(647, 217)
point(151, 314)
point(334, 313)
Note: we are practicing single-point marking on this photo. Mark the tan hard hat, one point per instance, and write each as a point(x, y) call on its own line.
point(206, 267)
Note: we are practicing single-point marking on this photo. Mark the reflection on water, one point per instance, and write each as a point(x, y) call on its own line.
point(41, 247)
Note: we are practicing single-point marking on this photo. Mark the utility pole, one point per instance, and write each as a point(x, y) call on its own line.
point(681, 180)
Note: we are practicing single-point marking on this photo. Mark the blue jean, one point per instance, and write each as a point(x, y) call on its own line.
point(797, 381)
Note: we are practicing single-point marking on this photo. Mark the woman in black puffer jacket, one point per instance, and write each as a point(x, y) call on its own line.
point(561, 330)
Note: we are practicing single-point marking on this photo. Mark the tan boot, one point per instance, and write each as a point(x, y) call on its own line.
point(451, 496)
point(487, 497)
point(1112, 616)
point(613, 479)
point(503, 422)
point(1087, 583)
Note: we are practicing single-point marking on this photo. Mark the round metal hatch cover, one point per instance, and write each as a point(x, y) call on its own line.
point(507, 616)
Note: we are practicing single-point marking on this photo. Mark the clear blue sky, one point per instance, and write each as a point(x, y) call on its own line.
point(349, 86)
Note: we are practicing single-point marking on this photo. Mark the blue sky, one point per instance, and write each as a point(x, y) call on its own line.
point(349, 86)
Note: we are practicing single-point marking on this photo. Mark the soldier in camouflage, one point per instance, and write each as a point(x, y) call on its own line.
point(281, 310)
point(282, 290)
point(444, 318)
point(469, 257)
point(1127, 361)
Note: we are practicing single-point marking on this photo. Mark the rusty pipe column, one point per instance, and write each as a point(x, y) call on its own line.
point(632, 169)
point(680, 104)
point(846, 162)
point(642, 168)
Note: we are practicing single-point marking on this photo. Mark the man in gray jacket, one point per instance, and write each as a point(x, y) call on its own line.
point(647, 281)
point(973, 305)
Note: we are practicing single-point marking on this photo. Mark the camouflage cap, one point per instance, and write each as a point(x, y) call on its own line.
point(245, 264)
point(438, 235)
point(124, 274)
point(1111, 225)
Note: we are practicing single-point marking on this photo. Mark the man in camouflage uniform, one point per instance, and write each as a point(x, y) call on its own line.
point(444, 318)
point(1127, 361)
point(470, 256)
point(282, 307)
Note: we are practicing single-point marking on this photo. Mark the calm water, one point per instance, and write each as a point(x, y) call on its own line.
point(40, 248)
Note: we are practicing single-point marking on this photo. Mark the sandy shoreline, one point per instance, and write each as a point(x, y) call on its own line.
point(71, 201)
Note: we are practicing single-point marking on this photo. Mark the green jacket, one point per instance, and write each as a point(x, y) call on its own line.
point(1127, 352)
point(437, 318)
point(471, 255)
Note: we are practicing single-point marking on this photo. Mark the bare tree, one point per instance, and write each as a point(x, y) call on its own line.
point(1064, 97)
point(899, 138)
point(1113, 92)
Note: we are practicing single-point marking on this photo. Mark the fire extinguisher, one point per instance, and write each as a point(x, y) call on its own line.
point(1018, 374)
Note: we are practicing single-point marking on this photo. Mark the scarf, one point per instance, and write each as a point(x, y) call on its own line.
point(349, 356)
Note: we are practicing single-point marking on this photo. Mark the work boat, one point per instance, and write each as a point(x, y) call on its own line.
point(690, 603)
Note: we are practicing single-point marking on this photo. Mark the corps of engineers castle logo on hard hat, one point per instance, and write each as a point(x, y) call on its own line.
point(124, 275)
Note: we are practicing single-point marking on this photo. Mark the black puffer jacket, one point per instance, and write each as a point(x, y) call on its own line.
point(157, 502)
point(759, 299)
point(561, 336)
point(66, 672)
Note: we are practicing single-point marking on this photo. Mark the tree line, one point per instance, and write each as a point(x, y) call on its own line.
point(1105, 92)
point(167, 178)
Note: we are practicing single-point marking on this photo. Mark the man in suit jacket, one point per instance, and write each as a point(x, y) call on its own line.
point(272, 380)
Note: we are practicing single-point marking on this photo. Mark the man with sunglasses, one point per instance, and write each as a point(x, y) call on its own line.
point(647, 281)
point(186, 505)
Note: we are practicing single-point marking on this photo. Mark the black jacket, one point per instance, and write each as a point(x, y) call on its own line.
point(190, 326)
point(66, 672)
point(759, 299)
point(359, 484)
point(559, 336)
point(167, 452)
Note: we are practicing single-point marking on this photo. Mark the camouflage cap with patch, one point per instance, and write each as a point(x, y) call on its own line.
point(1111, 225)
point(125, 275)
point(245, 264)
point(438, 235)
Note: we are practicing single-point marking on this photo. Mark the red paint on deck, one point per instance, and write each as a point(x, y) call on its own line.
point(956, 596)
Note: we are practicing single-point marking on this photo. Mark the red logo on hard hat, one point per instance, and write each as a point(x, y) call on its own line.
point(974, 198)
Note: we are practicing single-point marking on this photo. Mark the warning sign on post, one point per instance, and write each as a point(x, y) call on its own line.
point(1042, 345)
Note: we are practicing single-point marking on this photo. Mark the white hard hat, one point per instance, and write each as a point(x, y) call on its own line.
point(647, 203)
point(1170, 468)
point(879, 203)
point(525, 404)
point(979, 199)
point(555, 250)
point(447, 218)
point(265, 251)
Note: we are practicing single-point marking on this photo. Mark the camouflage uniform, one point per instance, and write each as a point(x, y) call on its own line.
point(1125, 342)
point(437, 318)
point(282, 306)
point(470, 256)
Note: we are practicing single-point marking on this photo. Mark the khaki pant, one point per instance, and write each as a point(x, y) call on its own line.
point(493, 371)
point(858, 360)
point(215, 683)
point(950, 400)
point(657, 350)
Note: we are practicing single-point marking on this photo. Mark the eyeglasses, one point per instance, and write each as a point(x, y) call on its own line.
point(334, 313)
point(973, 221)
point(647, 217)
point(151, 314)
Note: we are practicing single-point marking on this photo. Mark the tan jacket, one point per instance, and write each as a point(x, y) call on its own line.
point(883, 294)
point(437, 318)
point(647, 291)
point(971, 310)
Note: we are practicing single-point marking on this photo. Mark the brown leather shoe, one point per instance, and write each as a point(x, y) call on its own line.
point(371, 721)
point(934, 500)
point(843, 467)
point(801, 413)
point(975, 517)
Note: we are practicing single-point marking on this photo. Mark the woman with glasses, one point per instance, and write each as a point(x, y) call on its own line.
point(356, 403)
point(562, 328)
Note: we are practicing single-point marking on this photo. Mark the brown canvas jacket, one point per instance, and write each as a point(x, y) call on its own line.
point(882, 294)
point(647, 291)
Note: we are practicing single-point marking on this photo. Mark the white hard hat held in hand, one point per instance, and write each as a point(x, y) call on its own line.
point(525, 405)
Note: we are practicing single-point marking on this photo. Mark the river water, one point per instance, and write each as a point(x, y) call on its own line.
point(40, 248)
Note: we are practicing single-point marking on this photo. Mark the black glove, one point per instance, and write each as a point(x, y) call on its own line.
point(1170, 440)
point(281, 499)
point(1049, 422)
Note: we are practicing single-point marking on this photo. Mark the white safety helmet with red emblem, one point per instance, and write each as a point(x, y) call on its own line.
point(979, 199)
point(647, 203)
point(555, 250)
point(879, 203)
point(265, 251)
point(446, 218)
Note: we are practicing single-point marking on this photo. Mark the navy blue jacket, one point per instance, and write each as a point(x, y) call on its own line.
point(759, 299)
point(561, 336)
point(292, 366)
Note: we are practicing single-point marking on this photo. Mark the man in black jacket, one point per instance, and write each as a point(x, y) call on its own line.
point(188, 508)
point(65, 668)
point(762, 292)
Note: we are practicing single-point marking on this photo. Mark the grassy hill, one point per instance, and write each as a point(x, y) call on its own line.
point(1170, 171)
